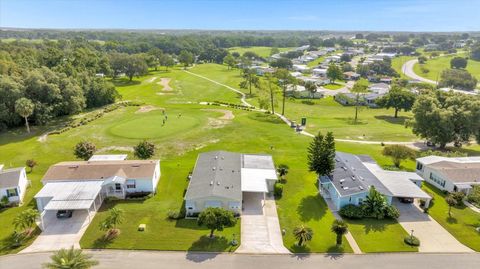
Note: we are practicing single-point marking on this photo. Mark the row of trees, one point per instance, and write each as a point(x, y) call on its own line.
point(85, 150)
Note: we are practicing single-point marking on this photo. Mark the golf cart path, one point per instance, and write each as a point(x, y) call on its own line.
point(413, 144)
point(407, 69)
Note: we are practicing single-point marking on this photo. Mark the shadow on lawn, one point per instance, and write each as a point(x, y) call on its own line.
point(123, 82)
point(311, 207)
point(390, 119)
point(205, 243)
point(351, 121)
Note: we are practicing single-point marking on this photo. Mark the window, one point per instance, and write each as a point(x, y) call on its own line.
point(419, 166)
point(12, 192)
point(118, 186)
point(131, 184)
point(437, 180)
point(190, 208)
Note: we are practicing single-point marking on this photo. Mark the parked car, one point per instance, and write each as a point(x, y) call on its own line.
point(406, 200)
point(64, 214)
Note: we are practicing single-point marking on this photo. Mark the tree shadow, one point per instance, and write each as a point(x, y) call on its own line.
point(215, 244)
point(123, 82)
point(451, 220)
point(375, 225)
point(301, 250)
point(390, 119)
point(103, 242)
point(311, 207)
point(351, 121)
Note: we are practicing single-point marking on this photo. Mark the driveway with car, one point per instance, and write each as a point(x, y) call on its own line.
point(433, 237)
point(61, 232)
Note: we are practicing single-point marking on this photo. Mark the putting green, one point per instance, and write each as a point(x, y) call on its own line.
point(150, 126)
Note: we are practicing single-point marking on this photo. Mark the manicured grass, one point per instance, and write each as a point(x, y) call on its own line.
point(333, 86)
point(461, 224)
point(326, 114)
point(260, 51)
point(316, 62)
point(398, 62)
point(374, 235)
point(437, 65)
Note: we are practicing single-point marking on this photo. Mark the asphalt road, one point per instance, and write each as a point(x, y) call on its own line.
point(407, 69)
point(181, 260)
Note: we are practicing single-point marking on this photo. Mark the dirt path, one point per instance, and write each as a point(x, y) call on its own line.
point(150, 80)
point(145, 109)
point(43, 138)
point(227, 114)
point(119, 148)
point(164, 82)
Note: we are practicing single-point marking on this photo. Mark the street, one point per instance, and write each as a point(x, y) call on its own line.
point(122, 259)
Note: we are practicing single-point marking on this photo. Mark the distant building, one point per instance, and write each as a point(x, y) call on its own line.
point(13, 184)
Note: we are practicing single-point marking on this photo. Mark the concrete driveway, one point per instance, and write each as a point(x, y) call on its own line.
point(260, 227)
point(61, 233)
point(433, 237)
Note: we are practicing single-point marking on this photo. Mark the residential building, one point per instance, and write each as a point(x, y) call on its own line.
point(351, 75)
point(354, 175)
point(13, 184)
point(450, 173)
point(220, 178)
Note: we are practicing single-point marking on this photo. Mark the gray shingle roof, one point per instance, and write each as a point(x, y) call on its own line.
point(216, 174)
point(10, 178)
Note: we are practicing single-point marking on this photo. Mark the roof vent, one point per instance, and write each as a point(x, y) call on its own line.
point(344, 168)
point(216, 157)
point(360, 187)
point(211, 183)
point(218, 183)
point(345, 188)
point(136, 165)
point(213, 168)
point(342, 180)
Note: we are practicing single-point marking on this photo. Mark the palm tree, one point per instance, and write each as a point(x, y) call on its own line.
point(25, 220)
point(282, 170)
point(303, 234)
point(24, 107)
point(451, 202)
point(114, 218)
point(339, 227)
point(70, 259)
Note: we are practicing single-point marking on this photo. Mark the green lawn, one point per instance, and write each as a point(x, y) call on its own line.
point(462, 223)
point(333, 86)
point(437, 65)
point(260, 51)
point(397, 64)
point(374, 235)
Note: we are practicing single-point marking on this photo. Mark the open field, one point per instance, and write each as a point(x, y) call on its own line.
point(197, 130)
point(437, 65)
point(462, 223)
point(260, 51)
point(398, 62)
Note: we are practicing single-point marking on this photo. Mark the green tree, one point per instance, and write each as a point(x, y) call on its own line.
point(274, 50)
point(321, 154)
point(250, 79)
point(84, 150)
point(230, 61)
point(475, 52)
point(303, 234)
point(451, 201)
point(458, 79)
point(24, 107)
point(25, 220)
point(334, 73)
point(284, 79)
point(167, 61)
point(311, 87)
point(398, 153)
point(282, 170)
point(135, 65)
point(273, 88)
point(186, 58)
point(144, 150)
point(359, 88)
point(283, 62)
point(398, 99)
point(375, 204)
point(109, 224)
point(216, 219)
point(458, 63)
point(31, 163)
point(156, 55)
point(70, 259)
point(339, 227)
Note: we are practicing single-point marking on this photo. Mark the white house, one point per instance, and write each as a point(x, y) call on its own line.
point(82, 185)
point(450, 173)
point(13, 184)
point(319, 72)
point(300, 68)
point(220, 178)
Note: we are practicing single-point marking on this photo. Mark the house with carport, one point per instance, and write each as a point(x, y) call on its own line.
point(221, 178)
point(354, 175)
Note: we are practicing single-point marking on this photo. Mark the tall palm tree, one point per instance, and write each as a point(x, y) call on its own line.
point(303, 234)
point(70, 259)
point(24, 107)
point(114, 218)
point(339, 227)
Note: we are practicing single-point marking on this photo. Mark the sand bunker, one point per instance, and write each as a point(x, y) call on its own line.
point(164, 82)
point(150, 80)
point(116, 148)
point(145, 109)
point(227, 114)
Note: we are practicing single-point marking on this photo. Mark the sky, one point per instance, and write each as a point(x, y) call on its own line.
point(369, 15)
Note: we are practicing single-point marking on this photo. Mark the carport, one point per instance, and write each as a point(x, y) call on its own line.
point(75, 195)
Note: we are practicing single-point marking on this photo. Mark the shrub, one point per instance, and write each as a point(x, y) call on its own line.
point(175, 214)
point(412, 241)
point(278, 190)
point(144, 150)
point(392, 212)
point(352, 212)
point(458, 196)
point(4, 202)
point(84, 150)
point(474, 196)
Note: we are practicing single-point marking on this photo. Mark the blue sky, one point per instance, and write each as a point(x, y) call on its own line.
point(389, 15)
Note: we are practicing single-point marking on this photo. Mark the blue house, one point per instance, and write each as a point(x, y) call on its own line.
point(353, 176)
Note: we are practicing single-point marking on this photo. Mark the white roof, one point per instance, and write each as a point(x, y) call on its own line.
point(399, 183)
point(255, 180)
point(70, 195)
point(435, 159)
point(110, 157)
